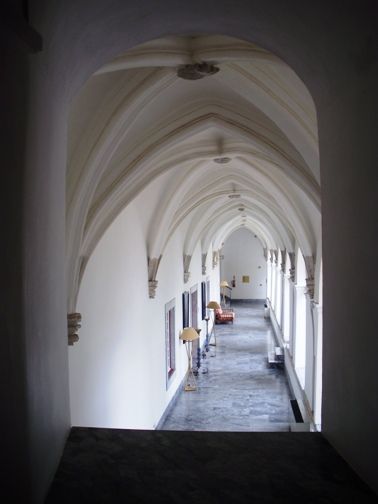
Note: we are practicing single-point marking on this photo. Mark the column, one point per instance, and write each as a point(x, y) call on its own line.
point(300, 333)
point(282, 288)
point(310, 331)
point(269, 279)
point(318, 326)
point(291, 279)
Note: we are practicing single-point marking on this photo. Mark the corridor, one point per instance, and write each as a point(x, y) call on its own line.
point(237, 391)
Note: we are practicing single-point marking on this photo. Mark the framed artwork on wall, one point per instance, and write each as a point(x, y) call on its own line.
point(207, 290)
point(170, 341)
point(194, 307)
point(185, 309)
point(194, 322)
point(203, 300)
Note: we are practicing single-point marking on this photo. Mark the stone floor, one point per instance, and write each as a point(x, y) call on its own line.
point(101, 466)
point(239, 392)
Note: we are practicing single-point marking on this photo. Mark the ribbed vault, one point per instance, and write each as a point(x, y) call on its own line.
point(135, 121)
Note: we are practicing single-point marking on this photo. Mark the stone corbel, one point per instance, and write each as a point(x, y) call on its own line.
point(310, 278)
point(187, 259)
point(271, 252)
point(215, 258)
point(153, 265)
point(275, 253)
point(204, 257)
point(266, 254)
point(73, 326)
point(292, 265)
point(283, 260)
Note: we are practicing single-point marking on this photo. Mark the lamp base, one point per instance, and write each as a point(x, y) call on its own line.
point(190, 388)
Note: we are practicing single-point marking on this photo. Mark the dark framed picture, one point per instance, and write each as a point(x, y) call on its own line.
point(194, 307)
point(170, 341)
point(185, 309)
point(203, 300)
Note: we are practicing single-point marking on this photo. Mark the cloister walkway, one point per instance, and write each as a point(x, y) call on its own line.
point(237, 391)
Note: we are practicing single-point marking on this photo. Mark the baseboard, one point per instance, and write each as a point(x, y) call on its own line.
point(170, 405)
point(233, 300)
point(174, 398)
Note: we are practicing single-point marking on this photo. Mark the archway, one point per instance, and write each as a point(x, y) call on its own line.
point(337, 69)
point(188, 162)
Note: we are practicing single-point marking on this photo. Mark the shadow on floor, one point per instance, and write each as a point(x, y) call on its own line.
point(121, 466)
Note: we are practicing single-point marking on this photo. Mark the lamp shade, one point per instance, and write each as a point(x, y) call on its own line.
point(189, 334)
point(224, 283)
point(213, 305)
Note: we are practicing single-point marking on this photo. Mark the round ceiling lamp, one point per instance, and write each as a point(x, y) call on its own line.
point(196, 71)
point(222, 160)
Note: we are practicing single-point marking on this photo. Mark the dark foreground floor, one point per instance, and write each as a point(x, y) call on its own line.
point(123, 466)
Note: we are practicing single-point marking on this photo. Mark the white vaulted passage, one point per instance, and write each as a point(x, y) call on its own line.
point(166, 175)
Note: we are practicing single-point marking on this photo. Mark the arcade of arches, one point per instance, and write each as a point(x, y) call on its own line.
point(161, 171)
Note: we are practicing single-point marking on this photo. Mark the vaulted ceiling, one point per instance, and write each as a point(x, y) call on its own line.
point(240, 147)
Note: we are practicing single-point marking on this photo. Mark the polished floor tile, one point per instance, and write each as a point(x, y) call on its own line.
point(238, 393)
point(237, 390)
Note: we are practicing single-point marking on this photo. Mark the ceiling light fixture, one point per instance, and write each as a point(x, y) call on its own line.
point(222, 160)
point(196, 71)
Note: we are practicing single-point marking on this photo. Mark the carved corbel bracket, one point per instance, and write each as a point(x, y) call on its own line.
point(153, 265)
point(266, 254)
point(283, 260)
point(186, 259)
point(271, 252)
point(73, 326)
point(292, 265)
point(215, 258)
point(310, 279)
point(152, 286)
point(275, 256)
point(204, 257)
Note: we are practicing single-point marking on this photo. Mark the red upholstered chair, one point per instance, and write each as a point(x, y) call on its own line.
point(223, 316)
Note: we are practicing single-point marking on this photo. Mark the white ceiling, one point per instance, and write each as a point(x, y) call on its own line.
point(135, 121)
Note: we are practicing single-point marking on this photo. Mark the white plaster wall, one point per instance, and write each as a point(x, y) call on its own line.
point(244, 255)
point(109, 366)
point(17, 383)
point(117, 369)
